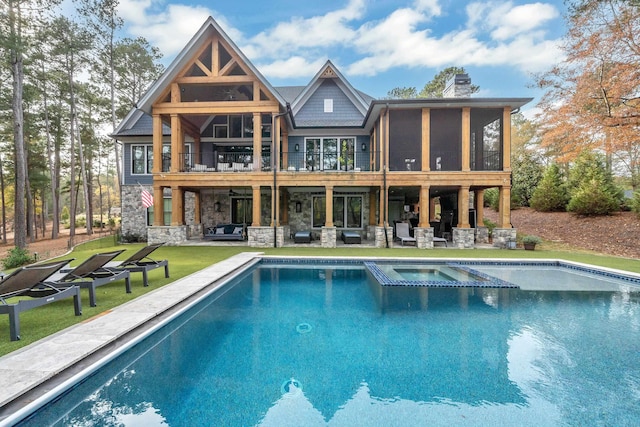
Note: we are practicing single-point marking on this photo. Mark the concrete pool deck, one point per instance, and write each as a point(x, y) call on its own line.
point(37, 364)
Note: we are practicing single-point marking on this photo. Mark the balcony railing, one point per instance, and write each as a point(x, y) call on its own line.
point(224, 161)
point(325, 162)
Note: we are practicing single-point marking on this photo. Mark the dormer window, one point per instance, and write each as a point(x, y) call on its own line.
point(328, 105)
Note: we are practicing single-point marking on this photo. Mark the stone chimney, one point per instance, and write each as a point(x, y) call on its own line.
point(458, 86)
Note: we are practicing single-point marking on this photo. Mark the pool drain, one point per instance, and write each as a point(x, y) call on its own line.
point(291, 387)
point(303, 328)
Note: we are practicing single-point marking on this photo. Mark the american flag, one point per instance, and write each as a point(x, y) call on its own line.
point(147, 199)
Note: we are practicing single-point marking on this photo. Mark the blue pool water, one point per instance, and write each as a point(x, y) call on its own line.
point(290, 344)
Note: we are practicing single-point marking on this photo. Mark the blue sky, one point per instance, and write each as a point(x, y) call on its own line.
point(376, 44)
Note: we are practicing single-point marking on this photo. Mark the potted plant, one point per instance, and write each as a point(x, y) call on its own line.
point(530, 242)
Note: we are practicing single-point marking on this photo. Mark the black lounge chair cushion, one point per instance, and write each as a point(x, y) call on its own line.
point(351, 237)
point(302, 237)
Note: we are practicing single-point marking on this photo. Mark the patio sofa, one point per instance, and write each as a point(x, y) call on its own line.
point(225, 232)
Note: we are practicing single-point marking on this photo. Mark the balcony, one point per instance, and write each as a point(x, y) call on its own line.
point(296, 161)
point(225, 161)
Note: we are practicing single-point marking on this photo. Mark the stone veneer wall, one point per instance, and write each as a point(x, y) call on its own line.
point(262, 237)
point(169, 235)
point(502, 235)
point(463, 238)
point(134, 215)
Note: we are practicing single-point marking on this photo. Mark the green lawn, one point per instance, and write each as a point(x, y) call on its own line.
point(184, 260)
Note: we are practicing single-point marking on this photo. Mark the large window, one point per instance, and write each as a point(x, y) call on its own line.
point(166, 203)
point(142, 158)
point(330, 153)
point(347, 211)
point(241, 210)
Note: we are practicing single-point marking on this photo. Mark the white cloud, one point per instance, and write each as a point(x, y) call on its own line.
point(292, 67)
point(503, 20)
point(496, 33)
point(303, 33)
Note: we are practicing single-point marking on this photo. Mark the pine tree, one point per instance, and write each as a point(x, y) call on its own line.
point(551, 194)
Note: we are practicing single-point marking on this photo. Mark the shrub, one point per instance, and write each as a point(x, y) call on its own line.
point(133, 238)
point(64, 214)
point(551, 194)
point(531, 239)
point(491, 198)
point(489, 224)
point(591, 198)
point(634, 203)
point(17, 257)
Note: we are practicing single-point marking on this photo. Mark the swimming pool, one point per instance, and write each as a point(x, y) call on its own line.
point(300, 344)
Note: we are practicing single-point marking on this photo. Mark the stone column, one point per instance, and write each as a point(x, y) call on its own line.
point(329, 237)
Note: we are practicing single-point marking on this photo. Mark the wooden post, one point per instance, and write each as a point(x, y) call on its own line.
point(372, 206)
point(257, 142)
point(506, 139)
point(177, 206)
point(479, 202)
point(426, 141)
point(504, 217)
point(157, 144)
point(463, 207)
point(466, 141)
point(176, 143)
point(256, 206)
point(158, 206)
point(424, 207)
point(329, 207)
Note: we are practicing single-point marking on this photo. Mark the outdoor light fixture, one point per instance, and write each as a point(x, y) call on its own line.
point(298, 207)
point(364, 146)
point(216, 206)
point(297, 147)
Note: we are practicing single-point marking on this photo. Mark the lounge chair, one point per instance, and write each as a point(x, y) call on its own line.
point(402, 233)
point(28, 282)
point(91, 273)
point(140, 262)
point(349, 237)
point(440, 240)
point(302, 237)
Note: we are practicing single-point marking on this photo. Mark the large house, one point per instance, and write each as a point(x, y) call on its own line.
point(215, 143)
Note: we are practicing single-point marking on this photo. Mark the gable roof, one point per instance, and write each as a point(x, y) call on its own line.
point(209, 28)
point(329, 71)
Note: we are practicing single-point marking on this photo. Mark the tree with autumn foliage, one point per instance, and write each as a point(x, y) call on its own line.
point(592, 97)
